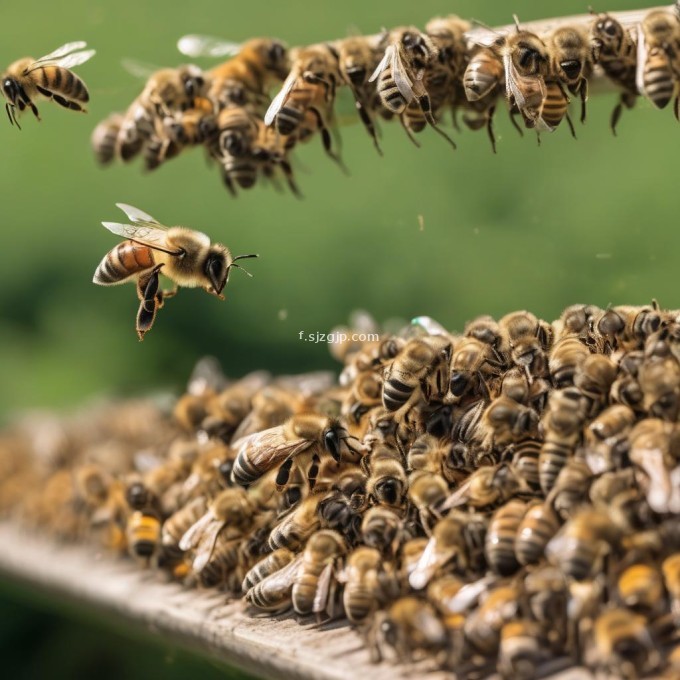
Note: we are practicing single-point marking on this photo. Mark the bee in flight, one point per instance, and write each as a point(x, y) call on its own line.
point(186, 257)
point(49, 77)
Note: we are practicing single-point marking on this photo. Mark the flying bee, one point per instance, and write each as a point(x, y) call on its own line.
point(503, 531)
point(538, 525)
point(49, 77)
point(616, 52)
point(420, 369)
point(309, 88)
point(400, 75)
point(186, 257)
point(245, 79)
point(358, 56)
point(572, 60)
point(313, 590)
point(104, 138)
point(304, 437)
point(658, 59)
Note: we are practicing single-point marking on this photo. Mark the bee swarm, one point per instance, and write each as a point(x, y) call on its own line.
point(535, 71)
point(495, 500)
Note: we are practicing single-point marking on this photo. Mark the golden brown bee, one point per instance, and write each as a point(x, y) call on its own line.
point(302, 438)
point(626, 388)
point(546, 599)
point(486, 487)
point(308, 89)
point(483, 626)
point(271, 406)
point(266, 567)
point(273, 593)
point(616, 53)
point(186, 257)
point(104, 138)
point(577, 320)
point(522, 649)
point(50, 77)
point(628, 327)
point(427, 492)
point(364, 395)
point(658, 59)
point(313, 590)
point(400, 75)
point(624, 645)
point(383, 529)
point(572, 60)
point(566, 356)
point(387, 482)
point(341, 507)
point(516, 385)
point(582, 543)
point(499, 546)
point(538, 525)
point(570, 492)
point(524, 461)
point(526, 340)
point(594, 378)
point(358, 57)
point(509, 422)
point(181, 521)
point(640, 587)
point(144, 535)
point(297, 525)
point(555, 107)
point(607, 438)
point(473, 364)
point(562, 426)
point(410, 627)
point(671, 576)
point(361, 576)
point(421, 369)
point(660, 384)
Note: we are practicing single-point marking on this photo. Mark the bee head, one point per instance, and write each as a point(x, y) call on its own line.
point(275, 58)
point(9, 89)
point(217, 266)
point(571, 68)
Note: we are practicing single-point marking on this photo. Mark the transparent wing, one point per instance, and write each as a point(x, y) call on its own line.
point(280, 99)
point(323, 587)
point(401, 78)
point(284, 577)
point(193, 534)
point(63, 50)
point(139, 69)
point(64, 57)
point(383, 63)
point(147, 236)
point(432, 558)
point(467, 595)
point(641, 61)
point(139, 216)
point(206, 546)
point(513, 92)
point(458, 497)
point(207, 46)
point(270, 447)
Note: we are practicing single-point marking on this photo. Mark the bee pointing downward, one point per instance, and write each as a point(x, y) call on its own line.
point(186, 257)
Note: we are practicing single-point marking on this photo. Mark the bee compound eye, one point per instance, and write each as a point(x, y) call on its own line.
point(332, 443)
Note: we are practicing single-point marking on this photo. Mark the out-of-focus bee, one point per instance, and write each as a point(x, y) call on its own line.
point(660, 384)
point(658, 59)
point(509, 422)
point(411, 628)
point(244, 79)
point(562, 432)
point(566, 356)
point(640, 587)
point(400, 75)
point(364, 395)
point(420, 370)
point(362, 592)
point(525, 456)
point(670, 569)
point(181, 521)
point(526, 61)
point(313, 590)
point(104, 138)
point(303, 438)
point(607, 438)
point(427, 492)
point(627, 327)
point(266, 567)
point(271, 406)
point(358, 56)
point(144, 535)
point(538, 525)
point(546, 599)
point(297, 525)
point(273, 593)
point(623, 644)
point(308, 89)
point(571, 488)
point(582, 543)
point(594, 378)
point(572, 60)
point(486, 487)
point(616, 52)
point(626, 389)
point(50, 77)
point(387, 482)
point(522, 649)
point(186, 257)
point(526, 340)
point(499, 546)
point(483, 625)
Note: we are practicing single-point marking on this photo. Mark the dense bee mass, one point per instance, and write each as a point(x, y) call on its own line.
point(407, 74)
point(492, 500)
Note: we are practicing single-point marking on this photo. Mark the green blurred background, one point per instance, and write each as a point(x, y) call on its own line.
point(539, 228)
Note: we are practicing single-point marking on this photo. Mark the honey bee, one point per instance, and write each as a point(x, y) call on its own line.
point(572, 60)
point(420, 369)
point(640, 587)
point(546, 599)
point(660, 384)
point(538, 525)
point(104, 138)
point(341, 507)
point(623, 644)
point(526, 341)
point(387, 481)
point(274, 592)
point(383, 529)
point(473, 364)
point(562, 426)
point(400, 75)
point(181, 521)
point(607, 438)
point(313, 590)
point(266, 567)
point(185, 256)
point(50, 77)
point(616, 53)
point(361, 594)
point(626, 389)
point(522, 649)
point(308, 89)
point(427, 492)
point(483, 626)
point(576, 320)
point(670, 569)
point(658, 60)
point(509, 422)
point(297, 525)
point(305, 437)
point(358, 57)
point(143, 534)
point(499, 546)
point(364, 395)
point(627, 327)
point(571, 488)
point(525, 456)
point(485, 329)
point(555, 107)
point(566, 355)
point(486, 487)
point(594, 378)
point(515, 385)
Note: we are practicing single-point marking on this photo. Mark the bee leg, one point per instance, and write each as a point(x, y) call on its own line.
point(313, 472)
point(328, 141)
point(489, 128)
point(454, 118)
point(425, 104)
point(515, 124)
point(283, 474)
point(616, 115)
point(408, 132)
point(151, 300)
point(228, 183)
point(367, 121)
point(571, 126)
point(584, 99)
point(290, 178)
point(676, 107)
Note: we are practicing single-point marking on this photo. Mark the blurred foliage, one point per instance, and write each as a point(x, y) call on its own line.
point(533, 227)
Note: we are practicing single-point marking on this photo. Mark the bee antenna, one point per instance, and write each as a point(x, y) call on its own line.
point(238, 266)
point(516, 18)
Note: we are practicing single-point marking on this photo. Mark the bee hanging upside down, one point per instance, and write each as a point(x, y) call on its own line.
point(186, 257)
point(49, 77)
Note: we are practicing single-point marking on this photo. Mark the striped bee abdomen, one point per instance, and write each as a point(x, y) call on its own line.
point(62, 81)
point(125, 260)
point(390, 95)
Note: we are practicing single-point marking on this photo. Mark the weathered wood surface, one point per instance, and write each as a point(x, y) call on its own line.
point(280, 647)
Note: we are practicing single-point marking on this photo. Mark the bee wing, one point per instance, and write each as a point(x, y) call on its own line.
point(387, 57)
point(147, 236)
point(403, 82)
point(206, 545)
point(270, 447)
point(139, 216)
point(64, 57)
point(458, 497)
point(207, 46)
point(467, 595)
point(323, 587)
point(660, 491)
point(280, 99)
point(284, 577)
point(63, 50)
point(432, 558)
point(193, 534)
point(511, 77)
point(641, 60)
point(139, 69)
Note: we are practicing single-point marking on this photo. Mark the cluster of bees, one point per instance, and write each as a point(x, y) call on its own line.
point(406, 74)
point(506, 498)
